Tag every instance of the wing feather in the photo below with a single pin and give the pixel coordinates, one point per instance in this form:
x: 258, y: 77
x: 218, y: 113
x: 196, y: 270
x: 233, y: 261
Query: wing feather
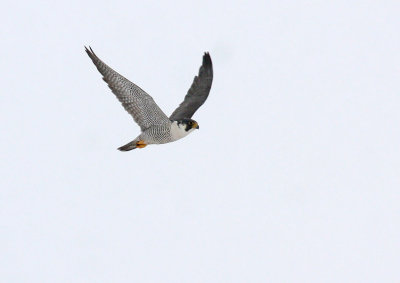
x: 136, y: 101
x: 197, y: 93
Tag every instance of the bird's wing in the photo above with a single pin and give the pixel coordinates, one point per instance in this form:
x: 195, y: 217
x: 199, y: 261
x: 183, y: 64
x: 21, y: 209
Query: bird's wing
x: 136, y: 101
x: 197, y: 93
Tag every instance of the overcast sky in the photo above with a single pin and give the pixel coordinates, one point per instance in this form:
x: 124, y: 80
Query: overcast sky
x: 294, y: 175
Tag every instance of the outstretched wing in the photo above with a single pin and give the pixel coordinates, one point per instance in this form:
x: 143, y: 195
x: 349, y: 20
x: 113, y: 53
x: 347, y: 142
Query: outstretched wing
x: 136, y: 101
x: 197, y: 93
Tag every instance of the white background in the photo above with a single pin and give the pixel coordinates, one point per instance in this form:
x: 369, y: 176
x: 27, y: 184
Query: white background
x: 294, y: 175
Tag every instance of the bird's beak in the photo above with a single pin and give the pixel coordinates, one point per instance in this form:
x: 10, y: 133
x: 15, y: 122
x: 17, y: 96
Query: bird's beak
x: 195, y: 126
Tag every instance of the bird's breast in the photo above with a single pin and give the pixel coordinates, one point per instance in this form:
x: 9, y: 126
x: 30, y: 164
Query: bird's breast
x: 178, y: 132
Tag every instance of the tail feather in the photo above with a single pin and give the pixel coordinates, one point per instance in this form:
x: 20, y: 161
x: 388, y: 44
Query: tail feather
x: 129, y: 146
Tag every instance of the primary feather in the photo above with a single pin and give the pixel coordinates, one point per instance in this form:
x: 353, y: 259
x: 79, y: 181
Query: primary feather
x: 136, y: 101
x: 197, y: 93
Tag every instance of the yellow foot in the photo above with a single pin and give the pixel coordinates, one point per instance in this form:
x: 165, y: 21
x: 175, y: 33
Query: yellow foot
x: 140, y: 144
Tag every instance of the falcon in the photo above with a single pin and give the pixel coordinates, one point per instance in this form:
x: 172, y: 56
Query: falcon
x: 156, y: 127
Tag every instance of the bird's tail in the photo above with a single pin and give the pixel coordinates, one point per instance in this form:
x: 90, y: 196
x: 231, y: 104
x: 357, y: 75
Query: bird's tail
x: 129, y: 146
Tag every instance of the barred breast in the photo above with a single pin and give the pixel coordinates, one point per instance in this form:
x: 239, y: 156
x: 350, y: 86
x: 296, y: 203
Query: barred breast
x: 157, y: 134
x: 164, y: 133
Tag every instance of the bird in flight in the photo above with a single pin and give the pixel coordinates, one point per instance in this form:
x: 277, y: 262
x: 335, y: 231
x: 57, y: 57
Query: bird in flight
x: 156, y: 127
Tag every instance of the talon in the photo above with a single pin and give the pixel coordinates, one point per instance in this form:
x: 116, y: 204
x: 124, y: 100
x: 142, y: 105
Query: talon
x: 140, y: 144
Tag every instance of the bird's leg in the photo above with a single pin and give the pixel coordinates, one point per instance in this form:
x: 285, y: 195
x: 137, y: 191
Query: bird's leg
x: 140, y: 144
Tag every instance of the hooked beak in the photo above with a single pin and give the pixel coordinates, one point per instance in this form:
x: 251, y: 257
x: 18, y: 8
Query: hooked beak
x: 195, y: 126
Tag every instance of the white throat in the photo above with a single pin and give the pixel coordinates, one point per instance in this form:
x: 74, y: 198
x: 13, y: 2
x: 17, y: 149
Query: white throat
x: 178, y: 131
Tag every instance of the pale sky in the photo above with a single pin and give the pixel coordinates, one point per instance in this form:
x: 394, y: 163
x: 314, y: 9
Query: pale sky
x: 294, y: 175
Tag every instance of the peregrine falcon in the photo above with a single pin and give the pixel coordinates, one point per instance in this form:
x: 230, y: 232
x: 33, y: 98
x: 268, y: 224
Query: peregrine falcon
x: 156, y: 127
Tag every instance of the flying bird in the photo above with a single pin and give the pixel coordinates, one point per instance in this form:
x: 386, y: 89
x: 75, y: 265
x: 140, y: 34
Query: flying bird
x: 156, y: 127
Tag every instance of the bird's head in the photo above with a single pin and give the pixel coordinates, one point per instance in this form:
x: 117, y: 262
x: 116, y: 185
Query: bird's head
x: 188, y: 124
